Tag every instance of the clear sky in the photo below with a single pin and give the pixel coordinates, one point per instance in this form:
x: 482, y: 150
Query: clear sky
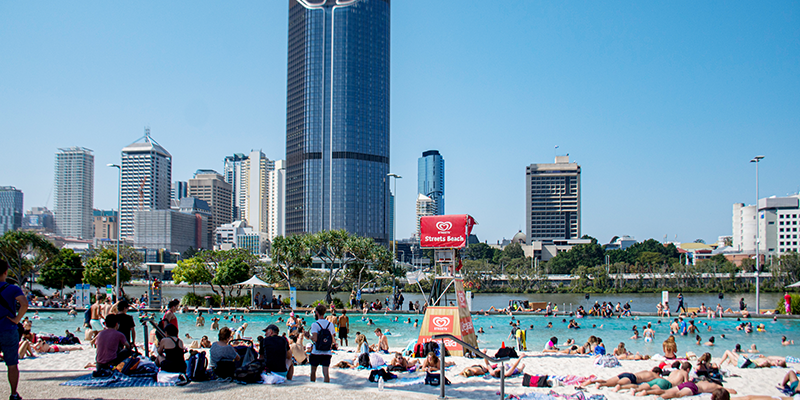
x: 661, y: 103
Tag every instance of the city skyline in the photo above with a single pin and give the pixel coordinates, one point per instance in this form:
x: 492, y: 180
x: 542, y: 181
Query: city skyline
x: 663, y: 110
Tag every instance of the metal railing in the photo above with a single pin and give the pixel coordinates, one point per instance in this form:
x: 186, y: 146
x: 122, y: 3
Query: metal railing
x: 474, y: 351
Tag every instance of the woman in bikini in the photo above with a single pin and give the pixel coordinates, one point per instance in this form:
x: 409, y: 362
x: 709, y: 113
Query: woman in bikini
x: 42, y: 347
x: 432, y: 364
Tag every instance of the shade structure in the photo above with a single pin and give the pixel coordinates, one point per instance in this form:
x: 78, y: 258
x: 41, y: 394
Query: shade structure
x: 796, y: 284
x: 254, y: 281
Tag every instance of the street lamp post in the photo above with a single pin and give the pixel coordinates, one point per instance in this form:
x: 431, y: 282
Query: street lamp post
x: 119, y: 217
x: 756, y: 160
x: 394, y: 231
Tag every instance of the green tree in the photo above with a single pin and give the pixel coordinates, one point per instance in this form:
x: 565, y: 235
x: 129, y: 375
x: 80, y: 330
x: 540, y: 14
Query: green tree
x: 99, y: 270
x: 480, y: 251
x: 227, y: 268
x: 191, y: 271
x: 25, y: 252
x: 290, y: 254
x: 66, y: 270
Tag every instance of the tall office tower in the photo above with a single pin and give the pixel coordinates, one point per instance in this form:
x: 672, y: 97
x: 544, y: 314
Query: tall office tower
x: 430, y: 178
x: 10, y: 209
x: 255, y: 183
x: 180, y: 189
x: 337, y: 117
x: 425, y: 208
x: 553, y: 200
x: 146, y: 180
x: 277, y: 201
x: 74, y: 192
x: 232, y: 171
x: 211, y: 187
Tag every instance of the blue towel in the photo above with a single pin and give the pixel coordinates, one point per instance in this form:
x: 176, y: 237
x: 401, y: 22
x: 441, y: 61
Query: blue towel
x: 408, y: 381
x: 115, y: 380
x: 793, y: 360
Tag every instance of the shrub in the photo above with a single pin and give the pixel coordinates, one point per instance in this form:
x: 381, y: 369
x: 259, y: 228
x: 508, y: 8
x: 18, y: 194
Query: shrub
x: 781, y: 308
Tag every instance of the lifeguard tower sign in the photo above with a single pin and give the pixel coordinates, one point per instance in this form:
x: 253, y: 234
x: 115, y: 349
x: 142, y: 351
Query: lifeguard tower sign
x: 445, y: 231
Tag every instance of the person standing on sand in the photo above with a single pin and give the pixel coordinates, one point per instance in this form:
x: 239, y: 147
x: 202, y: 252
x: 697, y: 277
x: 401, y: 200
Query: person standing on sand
x: 321, y: 351
x: 344, y: 326
x: 11, y: 296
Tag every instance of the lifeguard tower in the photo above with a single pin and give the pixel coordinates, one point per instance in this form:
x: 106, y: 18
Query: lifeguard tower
x: 447, y: 234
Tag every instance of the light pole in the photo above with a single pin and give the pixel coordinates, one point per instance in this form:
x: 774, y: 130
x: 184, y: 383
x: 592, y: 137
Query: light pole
x: 756, y: 160
x: 119, y: 217
x: 394, y: 230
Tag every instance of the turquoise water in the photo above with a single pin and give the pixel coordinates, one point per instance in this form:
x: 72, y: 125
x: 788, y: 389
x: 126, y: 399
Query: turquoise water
x: 497, y: 329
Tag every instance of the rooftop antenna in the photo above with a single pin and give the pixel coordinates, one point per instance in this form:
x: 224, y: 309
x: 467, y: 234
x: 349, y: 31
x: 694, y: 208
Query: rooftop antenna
x: 554, y: 151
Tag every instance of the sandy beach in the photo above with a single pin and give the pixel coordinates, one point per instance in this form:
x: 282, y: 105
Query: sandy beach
x: 41, y: 378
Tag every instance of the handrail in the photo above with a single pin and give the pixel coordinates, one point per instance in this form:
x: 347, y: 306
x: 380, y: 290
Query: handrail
x: 474, y: 350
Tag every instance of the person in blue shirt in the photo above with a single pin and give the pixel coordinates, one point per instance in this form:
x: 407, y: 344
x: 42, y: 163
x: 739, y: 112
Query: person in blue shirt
x: 11, y: 297
x: 600, y: 348
x: 684, y: 327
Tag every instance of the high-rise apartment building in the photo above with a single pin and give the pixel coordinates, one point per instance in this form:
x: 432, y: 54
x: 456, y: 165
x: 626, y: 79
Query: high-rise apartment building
x: 553, y: 200
x: 10, y: 209
x: 430, y: 179
x: 255, y: 183
x: 277, y: 201
x: 146, y: 180
x: 425, y: 208
x: 74, y: 192
x: 180, y: 189
x: 232, y: 170
x: 337, y: 117
x: 211, y: 187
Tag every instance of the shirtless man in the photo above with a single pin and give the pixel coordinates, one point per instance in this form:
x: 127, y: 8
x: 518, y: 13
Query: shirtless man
x: 96, y: 321
x: 106, y: 308
x: 344, y: 326
x: 383, y: 343
x: 692, y: 389
x: 626, y: 378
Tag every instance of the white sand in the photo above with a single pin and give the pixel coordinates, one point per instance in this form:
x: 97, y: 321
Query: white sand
x: 41, y: 377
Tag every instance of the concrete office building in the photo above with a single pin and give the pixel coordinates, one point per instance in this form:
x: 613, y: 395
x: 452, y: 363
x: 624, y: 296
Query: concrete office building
x: 180, y: 189
x: 105, y: 224
x: 10, y: 209
x: 39, y: 219
x: 238, y: 235
x: 255, y: 183
x: 211, y: 187
x: 232, y: 170
x: 337, y: 117
x: 175, y: 231
x: 73, y: 192
x: 553, y: 200
x: 276, y: 225
x: 430, y: 178
x: 146, y: 180
x: 777, y: 221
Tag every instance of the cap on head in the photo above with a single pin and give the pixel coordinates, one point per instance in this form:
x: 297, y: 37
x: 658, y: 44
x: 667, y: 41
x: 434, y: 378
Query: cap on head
x: 272, y: 327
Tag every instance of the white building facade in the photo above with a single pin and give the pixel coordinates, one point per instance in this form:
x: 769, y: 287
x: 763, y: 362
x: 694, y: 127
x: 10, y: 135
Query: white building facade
x: 255, y: 183
x: 74, y: 192
x: 277, y: 200
x: 777, y: 221
x: 146, y: 180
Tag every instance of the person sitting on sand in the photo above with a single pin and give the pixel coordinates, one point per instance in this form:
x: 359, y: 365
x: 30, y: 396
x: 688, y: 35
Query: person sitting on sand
x: 171, y: 352
x: 383, y: 343
x: 112, y: 348
x: 670, y: 348
x: 693, y: 389
x: 621, y: 350
x: 551, y: 347
x: 43, y: 347
x: 431, y: 363
x: 223, y: 356
x: 626, y: 378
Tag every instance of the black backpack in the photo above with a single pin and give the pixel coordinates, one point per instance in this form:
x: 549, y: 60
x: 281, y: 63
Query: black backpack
x: 506, y: 352
x: 434, y: 379
x: 250, y: 373
x: 380, y: 373
x: 324, y: 338
x: 198, y: 364
x: 363, y: 360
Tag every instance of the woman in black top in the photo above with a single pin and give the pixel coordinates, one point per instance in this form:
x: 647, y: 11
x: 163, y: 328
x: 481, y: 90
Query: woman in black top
x: 171, y: 351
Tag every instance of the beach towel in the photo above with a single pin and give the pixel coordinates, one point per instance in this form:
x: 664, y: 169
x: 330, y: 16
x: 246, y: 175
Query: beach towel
x: 115, y: 380
x: 271, y: 378
x: 407, y: 381
x: 607, y: 361
x: 793, y: 360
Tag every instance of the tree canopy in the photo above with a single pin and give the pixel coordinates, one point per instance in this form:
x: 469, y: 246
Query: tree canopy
x: 65, y: 270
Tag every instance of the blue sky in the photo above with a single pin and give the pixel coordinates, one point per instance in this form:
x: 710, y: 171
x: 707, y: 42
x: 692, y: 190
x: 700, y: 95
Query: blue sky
x: 661, y: 103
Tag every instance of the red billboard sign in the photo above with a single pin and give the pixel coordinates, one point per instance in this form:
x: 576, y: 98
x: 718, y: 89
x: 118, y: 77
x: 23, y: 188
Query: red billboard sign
x: 445, y: 231
x: 440, y: 324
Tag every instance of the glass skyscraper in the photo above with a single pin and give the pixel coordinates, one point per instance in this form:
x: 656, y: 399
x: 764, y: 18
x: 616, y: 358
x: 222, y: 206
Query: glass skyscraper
x: 337, y: 117
x: 430, y: 179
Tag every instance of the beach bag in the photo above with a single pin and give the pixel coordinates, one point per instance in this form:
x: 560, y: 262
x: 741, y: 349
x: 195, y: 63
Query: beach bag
x: 397, y: 368
x: 435, y: 379
x: 324, y: 338
x: 128, y: 366
x: 225, y: 369
x: 250, y: 373
x: 363, y: 360
x: 197, y: 366
x: 430, y: 347
x: 506, y: 352
x: 102, y: 373
x: 607, y: 361
x: 374, y: 375
x: 535, y: 381
x: 419, y: 350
